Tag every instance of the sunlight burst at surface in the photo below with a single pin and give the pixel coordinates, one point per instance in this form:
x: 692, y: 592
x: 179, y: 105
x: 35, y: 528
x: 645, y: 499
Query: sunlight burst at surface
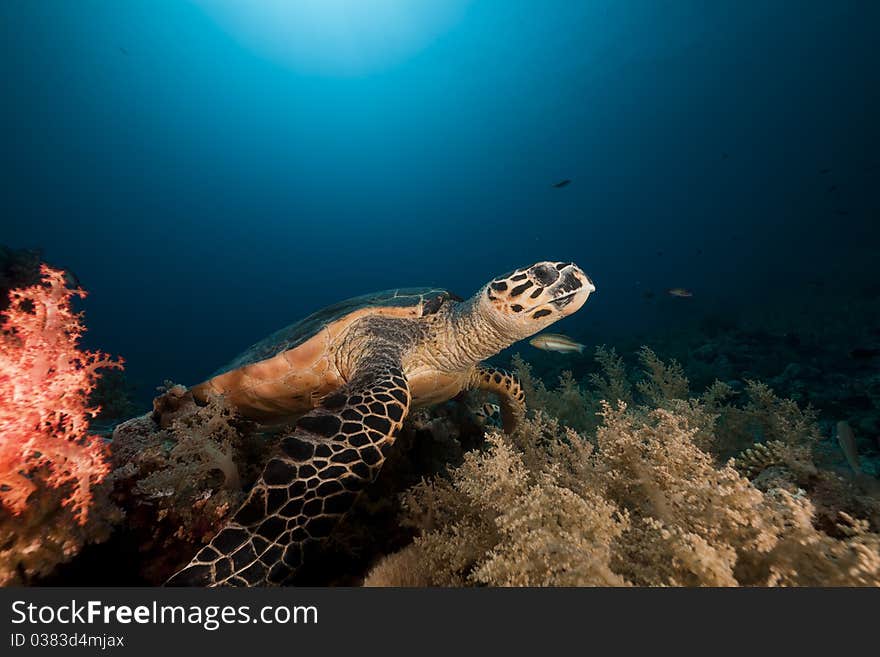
x: 339, y: 37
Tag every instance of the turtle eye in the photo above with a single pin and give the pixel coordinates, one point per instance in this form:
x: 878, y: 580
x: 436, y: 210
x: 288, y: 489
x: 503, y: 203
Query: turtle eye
x: 544, y: 274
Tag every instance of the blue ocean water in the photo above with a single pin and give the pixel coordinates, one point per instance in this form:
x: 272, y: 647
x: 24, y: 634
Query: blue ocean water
x: 212, y: 170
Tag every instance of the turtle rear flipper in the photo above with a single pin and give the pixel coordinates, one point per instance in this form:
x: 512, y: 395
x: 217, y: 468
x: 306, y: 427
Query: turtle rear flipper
x: 313, y: 480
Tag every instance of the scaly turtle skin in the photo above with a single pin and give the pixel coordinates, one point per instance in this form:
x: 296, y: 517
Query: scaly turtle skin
x: 351, y: 373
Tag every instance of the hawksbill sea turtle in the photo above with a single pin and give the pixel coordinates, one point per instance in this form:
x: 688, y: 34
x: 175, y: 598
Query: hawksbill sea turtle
x: 350, y: 373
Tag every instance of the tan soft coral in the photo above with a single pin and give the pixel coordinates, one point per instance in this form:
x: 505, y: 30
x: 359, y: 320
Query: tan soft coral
x: 698, y: 523
x: 610, y: 383
x: 646, y: 506
x: 567, y: 401
x: 554, y: 536
x: 663, y: 380
x: 764, y: 417
x: 496, y: 522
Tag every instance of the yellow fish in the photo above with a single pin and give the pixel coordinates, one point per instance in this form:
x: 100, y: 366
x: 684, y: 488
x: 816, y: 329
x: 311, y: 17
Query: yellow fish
x: 556, y: 342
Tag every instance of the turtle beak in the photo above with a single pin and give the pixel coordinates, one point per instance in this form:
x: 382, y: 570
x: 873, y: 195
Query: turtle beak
x: 571, y: 290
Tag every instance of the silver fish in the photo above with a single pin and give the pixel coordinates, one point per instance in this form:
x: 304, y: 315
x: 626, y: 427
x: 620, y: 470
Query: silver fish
x: 556, y: 342
x: 847, y: 442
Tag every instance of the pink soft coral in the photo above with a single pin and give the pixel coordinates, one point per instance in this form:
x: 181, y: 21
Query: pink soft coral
x: 45, y: 382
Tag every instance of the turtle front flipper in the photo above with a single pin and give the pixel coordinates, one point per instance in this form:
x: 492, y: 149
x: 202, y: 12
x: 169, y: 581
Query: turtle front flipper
x: 310, y: 483
x: 506, y: 387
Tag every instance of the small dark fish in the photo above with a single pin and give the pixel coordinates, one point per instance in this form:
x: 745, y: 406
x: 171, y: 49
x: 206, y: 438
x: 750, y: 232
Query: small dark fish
x: 724, y: 156
x: 831, y: 189
x: 123, y: 51
x: 648, y: 294
x: 562, y: 183
x: 843, y: 213
x: 864, y: 353
x: 659, y: 253
x: 824, y: 171
x: 699, y: 251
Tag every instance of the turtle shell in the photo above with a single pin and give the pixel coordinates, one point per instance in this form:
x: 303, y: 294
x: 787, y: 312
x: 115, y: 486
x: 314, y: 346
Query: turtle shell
x: 284, y: 374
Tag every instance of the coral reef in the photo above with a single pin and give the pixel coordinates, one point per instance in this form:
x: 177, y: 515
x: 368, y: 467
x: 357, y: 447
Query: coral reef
x: 50, y: 465
x: 634, y: 492
x: 645, y: 506
x: 647, y: 499
x: 629, y: 479
x: 180, y: 471
x: 179, y: 478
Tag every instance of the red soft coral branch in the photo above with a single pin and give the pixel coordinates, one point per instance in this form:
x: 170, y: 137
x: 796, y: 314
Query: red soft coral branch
x: 45, y: 383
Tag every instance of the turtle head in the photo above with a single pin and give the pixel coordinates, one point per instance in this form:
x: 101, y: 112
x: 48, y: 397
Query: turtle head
x: 528, y: 300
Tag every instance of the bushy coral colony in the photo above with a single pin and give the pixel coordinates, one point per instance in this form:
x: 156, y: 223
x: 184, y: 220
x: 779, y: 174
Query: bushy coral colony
x: 45, y: 383
x: 644, y: 498
x: 626, y: 478
x: 50, y: 462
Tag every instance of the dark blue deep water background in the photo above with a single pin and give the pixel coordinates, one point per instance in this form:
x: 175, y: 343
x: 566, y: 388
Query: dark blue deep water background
x: 212, y: 170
